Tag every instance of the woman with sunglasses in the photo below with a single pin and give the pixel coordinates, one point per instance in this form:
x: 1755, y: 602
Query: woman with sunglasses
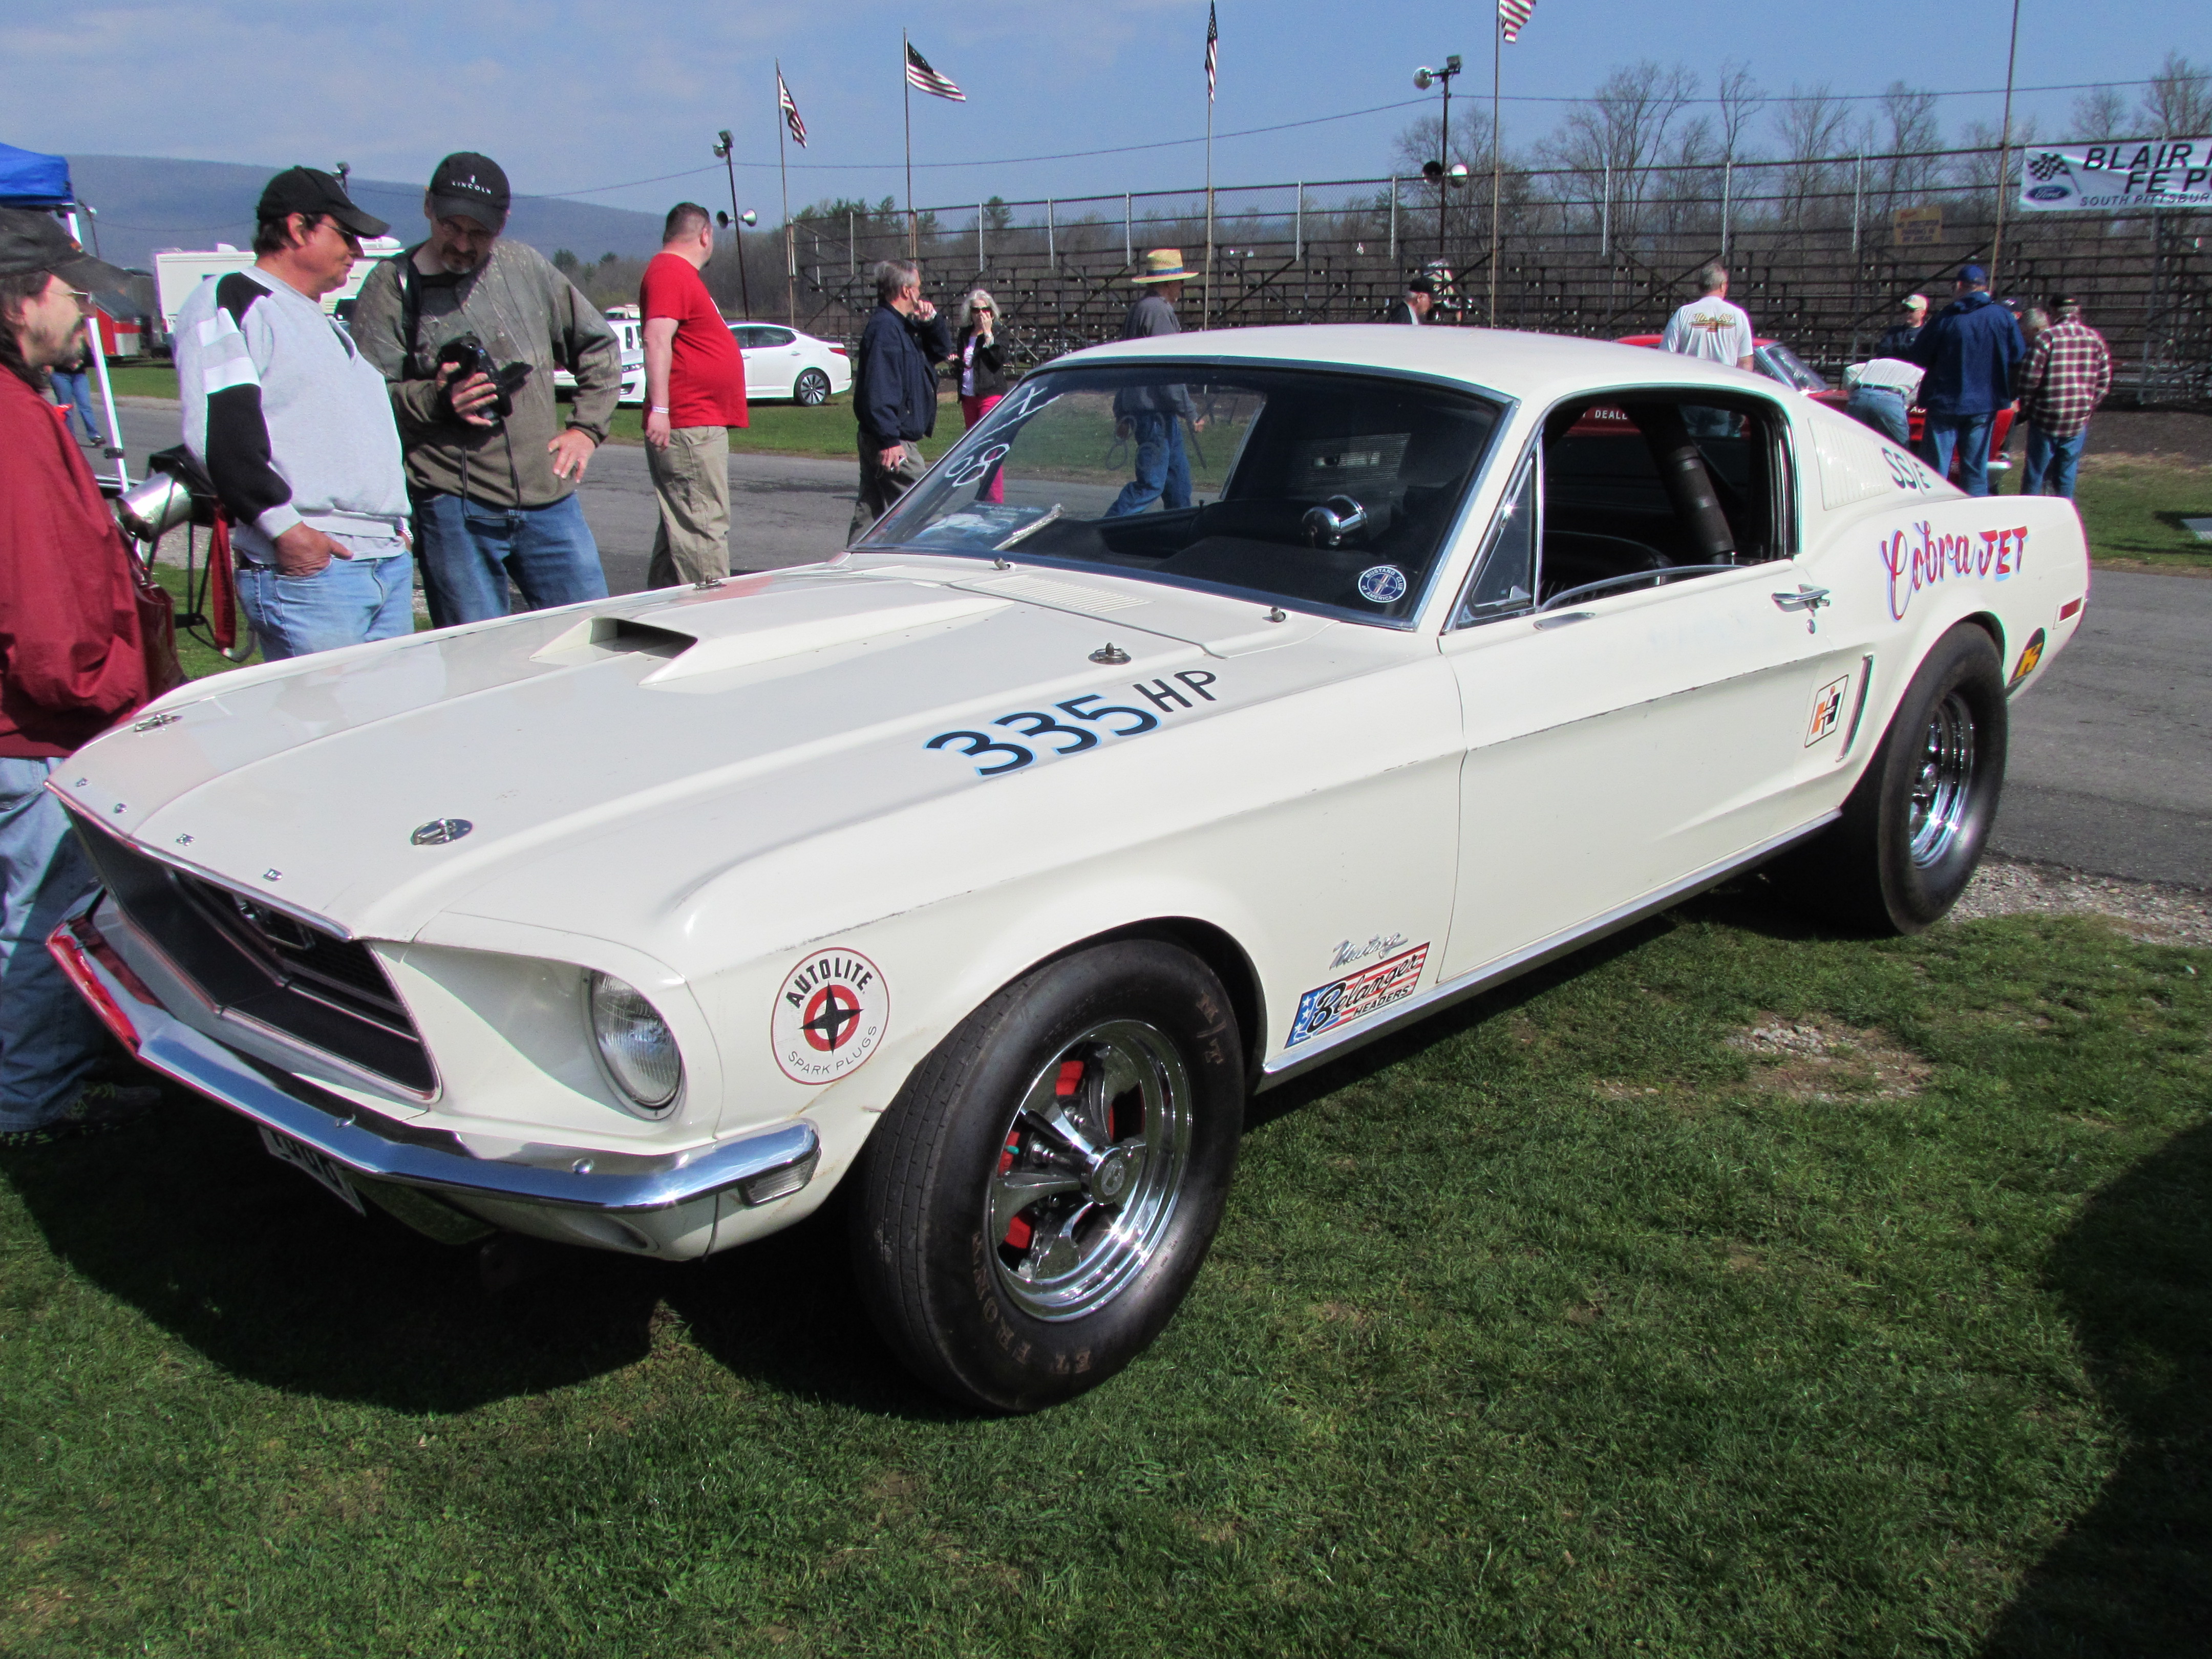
x: 982, y: 368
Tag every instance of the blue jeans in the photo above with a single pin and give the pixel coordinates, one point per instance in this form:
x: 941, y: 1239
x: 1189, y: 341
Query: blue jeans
x: 1163, y: 468
x: 469, y: 551
x: 347, y: 602
x: 2050, y: 462
x: 1883, y: 409
x: 1969, y: 435
x: 76, y: 390
x: 48, y: 1038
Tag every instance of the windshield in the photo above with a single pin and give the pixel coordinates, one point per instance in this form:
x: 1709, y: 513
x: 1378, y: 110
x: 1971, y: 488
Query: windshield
x: 1794, y: 371
x: 1324, y: 492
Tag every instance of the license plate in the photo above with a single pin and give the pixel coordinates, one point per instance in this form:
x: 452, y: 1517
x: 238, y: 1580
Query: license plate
x: 304, y: 1157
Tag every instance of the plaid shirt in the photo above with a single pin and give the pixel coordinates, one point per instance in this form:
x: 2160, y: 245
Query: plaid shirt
x: 2066, y: 374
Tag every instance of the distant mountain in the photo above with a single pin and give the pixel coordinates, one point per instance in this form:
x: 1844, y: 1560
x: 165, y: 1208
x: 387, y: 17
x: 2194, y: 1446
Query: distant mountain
x: 149, y: 202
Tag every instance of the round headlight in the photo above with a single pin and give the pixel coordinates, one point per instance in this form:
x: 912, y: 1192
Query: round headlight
x: 635, y: 1043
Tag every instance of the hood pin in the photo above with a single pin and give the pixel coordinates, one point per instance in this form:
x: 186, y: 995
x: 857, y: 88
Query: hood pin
x: 440, y: 832
x: 1110, y: 654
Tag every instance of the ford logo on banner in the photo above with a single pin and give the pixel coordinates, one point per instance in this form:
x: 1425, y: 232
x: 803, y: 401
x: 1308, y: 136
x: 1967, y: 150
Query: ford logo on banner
x: 2048, y: 193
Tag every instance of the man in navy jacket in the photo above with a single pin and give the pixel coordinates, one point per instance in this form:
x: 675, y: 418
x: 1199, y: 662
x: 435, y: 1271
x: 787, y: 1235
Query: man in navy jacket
x: 1969, y: 350
x: 895, y: 389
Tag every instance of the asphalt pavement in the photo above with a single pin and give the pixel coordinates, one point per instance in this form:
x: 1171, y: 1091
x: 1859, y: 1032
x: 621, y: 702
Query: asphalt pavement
x: 2111, y: 751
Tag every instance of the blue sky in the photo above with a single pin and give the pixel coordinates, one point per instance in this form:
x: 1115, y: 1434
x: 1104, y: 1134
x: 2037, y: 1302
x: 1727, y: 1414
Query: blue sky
x: 570, y: 96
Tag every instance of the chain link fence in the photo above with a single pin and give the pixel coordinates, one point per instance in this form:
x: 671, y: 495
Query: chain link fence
x: 1821, y: 250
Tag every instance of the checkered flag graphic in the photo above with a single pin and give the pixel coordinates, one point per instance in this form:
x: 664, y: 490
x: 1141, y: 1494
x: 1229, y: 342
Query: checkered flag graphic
x: 2049, y: 165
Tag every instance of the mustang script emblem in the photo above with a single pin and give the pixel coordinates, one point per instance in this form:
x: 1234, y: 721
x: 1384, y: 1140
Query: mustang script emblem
x: 439, y: 831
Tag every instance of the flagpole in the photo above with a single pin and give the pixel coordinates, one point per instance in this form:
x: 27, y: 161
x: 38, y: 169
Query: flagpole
x: 783, y: 174
x: 1206, y: 309
x: 2004, y: 150
x: 906, y: 89
x: 1496, y: 72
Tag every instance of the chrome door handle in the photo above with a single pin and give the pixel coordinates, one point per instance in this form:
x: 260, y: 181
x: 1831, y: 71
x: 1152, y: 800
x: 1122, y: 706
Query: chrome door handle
x: 1808, y: 599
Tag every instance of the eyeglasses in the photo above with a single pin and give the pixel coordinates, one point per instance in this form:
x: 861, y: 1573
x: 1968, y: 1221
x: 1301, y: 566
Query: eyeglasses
x: 84, y: 302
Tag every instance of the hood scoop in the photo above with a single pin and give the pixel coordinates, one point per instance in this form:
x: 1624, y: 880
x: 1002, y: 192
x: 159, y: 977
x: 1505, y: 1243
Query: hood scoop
x: 712, y: 635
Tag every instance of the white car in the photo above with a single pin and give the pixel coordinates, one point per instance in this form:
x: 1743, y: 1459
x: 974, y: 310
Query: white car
x: 987, y: 867
x: 629, y: 336
x: 781, y: 363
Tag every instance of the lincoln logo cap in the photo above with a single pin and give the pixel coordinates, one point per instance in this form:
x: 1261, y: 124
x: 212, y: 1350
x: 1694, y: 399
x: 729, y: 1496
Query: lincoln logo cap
x: 470, y: 186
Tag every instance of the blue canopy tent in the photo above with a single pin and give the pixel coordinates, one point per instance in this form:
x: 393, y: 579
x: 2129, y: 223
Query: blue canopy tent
x: 29, y: 180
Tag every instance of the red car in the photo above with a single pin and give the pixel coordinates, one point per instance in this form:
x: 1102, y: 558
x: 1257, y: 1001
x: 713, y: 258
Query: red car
x: 1778, y: 363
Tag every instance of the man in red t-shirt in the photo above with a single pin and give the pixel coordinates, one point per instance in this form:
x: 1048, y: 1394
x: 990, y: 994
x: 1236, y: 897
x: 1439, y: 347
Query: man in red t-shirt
x: 694, y: 392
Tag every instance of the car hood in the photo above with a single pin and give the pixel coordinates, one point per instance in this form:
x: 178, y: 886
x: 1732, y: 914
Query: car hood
x: 770, y: 710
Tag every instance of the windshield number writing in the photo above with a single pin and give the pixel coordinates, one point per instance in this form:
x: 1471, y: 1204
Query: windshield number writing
x: 1170, y: 696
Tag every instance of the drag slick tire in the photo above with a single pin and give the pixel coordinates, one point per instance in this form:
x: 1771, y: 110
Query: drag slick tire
x: 1039, y: 1197
x: 1913, y: 829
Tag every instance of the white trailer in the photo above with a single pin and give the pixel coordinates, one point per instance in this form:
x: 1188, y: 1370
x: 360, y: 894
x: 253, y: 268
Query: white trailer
x: 177, y: 271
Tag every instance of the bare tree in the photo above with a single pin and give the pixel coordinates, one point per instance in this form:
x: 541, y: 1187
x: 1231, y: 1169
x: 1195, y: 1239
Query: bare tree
x: 1624, y: 128
x: 2178, y: 101
x: 1815, y: 126
x: 1740, y: 99
x: 2100, y: 114
x: 1905, y: 135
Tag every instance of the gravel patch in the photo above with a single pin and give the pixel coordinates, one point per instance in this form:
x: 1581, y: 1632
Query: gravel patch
x: 2153, y: 912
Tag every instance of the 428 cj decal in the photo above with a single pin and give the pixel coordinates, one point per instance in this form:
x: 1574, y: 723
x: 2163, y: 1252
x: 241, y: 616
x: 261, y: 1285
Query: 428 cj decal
x: 1094, y: 718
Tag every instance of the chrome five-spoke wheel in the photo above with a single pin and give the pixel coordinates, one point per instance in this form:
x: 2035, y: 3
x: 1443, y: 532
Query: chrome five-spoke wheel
x: 1041, y: 1194
x: 1090, y: 1169
x: 1944, y: 783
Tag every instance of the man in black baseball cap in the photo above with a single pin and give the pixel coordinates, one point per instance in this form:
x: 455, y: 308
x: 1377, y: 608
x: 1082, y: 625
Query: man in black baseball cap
x: 470, y: 326
x: 31, y: 242
x: 305, y: 189
x: 72, y: 664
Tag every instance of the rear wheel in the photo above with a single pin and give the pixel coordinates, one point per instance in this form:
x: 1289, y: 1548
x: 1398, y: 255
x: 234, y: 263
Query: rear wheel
x: 811, y: 389
x: 1913, y: 831
x: 1039, y: 1197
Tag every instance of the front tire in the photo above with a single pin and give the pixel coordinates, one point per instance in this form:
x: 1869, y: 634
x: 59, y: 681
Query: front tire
x: 1039, y: 1197
x: 1913, y: 829
x: 811, y: 389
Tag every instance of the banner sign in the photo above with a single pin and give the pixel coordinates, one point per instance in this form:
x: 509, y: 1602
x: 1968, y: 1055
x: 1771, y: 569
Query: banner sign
x: 2128, y: 177
x: 1917, y: 227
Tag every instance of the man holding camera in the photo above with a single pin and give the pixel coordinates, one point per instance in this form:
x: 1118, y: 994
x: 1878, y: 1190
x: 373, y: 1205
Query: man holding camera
x: 72, y: 663
x: 468, y: 327
x: 293, y: 427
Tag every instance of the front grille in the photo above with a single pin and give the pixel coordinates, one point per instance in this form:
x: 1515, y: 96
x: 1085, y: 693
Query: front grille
x: 245, y: 957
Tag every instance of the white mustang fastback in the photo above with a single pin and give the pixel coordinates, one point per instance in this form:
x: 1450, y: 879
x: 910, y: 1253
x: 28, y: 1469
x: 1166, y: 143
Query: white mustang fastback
x: 1220, y: 703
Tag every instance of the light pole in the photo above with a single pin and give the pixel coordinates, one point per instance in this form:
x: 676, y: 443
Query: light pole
x: 1424, y: 78
x: 723, y: 149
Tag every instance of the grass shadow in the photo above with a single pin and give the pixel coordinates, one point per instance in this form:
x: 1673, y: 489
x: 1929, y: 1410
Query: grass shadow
x: 2133, y: 1576
x: 190, y: 1221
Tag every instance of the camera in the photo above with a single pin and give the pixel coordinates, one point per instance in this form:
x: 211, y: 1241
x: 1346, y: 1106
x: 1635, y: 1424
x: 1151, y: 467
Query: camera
x: 467, y: 355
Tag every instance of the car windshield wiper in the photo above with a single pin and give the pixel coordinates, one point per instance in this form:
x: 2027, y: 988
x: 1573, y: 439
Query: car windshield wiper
x: 1029, y: 529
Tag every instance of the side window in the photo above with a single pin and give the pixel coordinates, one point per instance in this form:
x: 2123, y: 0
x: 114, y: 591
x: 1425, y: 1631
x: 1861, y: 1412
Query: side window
x: 774, y: 337
x: 748, y: 338
x: 1641, y: 483
x: 1505, y: 579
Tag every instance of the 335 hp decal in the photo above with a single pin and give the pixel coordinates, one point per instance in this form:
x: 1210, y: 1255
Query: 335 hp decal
x: 1093, y: 720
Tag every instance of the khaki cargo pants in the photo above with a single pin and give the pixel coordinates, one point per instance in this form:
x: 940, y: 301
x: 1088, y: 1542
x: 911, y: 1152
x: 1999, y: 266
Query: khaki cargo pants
x: 691, y: 477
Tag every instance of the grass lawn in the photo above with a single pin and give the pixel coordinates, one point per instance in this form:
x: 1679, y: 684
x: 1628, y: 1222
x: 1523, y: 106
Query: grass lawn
x: 787, y: 429
x: 2134, y: 506
x: 1722, y: 1291
x: 142, y: 379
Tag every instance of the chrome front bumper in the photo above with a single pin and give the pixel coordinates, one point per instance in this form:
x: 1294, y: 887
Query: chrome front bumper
x: 767, y: 1165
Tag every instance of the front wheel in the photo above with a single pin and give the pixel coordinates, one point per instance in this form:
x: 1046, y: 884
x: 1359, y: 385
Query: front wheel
x: 811, y: 389
x: 1913, y: 829
x: 1040, y: 1195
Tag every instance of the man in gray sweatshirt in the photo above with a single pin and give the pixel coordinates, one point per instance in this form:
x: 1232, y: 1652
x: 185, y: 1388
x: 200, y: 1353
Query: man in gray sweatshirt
x: 491, y: 466
x: 294, y: 426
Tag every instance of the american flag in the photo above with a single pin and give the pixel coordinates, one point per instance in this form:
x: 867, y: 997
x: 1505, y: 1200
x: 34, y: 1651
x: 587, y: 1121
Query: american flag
x: 919, y: 75
x: 790, y: 111
x: 1212, y: 51
x: 1513, y: 16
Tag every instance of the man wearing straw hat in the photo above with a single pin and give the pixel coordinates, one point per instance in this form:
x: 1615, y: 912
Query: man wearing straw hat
x: 1151, y: 417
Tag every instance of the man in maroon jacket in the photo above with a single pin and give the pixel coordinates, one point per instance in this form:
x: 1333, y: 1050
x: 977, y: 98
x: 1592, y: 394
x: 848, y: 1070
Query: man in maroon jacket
x: 72, y: 663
